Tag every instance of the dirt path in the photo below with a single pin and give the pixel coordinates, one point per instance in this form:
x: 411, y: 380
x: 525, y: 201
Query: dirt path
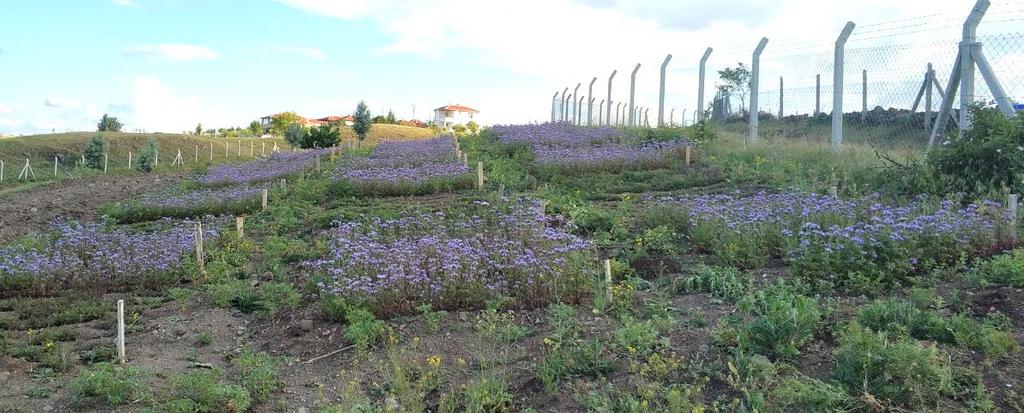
x: 33, y: 209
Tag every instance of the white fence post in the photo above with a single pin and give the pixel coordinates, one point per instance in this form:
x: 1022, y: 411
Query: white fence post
x: 755, y: 74
x: 565, y: 105
x: 661, y: 92
x: 929, y: 77
x: 700, y: 85
x: 817, y: 94
x: 120, y: 332
x: 837, y: 87
x: 864, y: 97
x: 632, y: 95
x: 782, y: 91
x: 553, y: 106
x: 608, y: 112
x: 590, y: 102
x: 575, y: 105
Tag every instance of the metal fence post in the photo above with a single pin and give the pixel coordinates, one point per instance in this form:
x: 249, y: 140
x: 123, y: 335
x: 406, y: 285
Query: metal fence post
x: 672, y: 117
x: 755, y: 72
x: 590, y: 103
x: 553, y: 105
x: 579, y: 111
x: 565, y: 99
x: 864, y: 97
x: 781, y: 102
x: 608, y: 112
x: 632, y: 93
x: 618, y: 113
x: 661, y: 92
x: 817, y: 94
x: 928, y: 80
x: 700, y: 85
x: 600, y: 114
x: 575, y: 105
x: 967, y: 62
x: 998, y: 93
x: 837, y: 87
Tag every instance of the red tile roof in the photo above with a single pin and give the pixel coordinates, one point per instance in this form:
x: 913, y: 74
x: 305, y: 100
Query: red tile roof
x: 458, y: 108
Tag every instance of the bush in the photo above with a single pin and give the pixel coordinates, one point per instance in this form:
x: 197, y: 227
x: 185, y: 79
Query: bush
x: 363, y: 329
x: 258, y: 373
x: 297, y: 135
x: 988, y: 156
x: 94, y: 152
x: 323, y: 136
x: 116, y: 385
x: 783, y: 322
x: 890, y: 371
x: 1002, y: 269
x: 205, y: 392
x: 109, y: 124
x: 148, y: 157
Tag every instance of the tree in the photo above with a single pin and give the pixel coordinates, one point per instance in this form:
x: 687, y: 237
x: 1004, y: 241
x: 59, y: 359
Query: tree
x: 391, y: 120
x: 255, y: 128
x: 363, y: 121
x: 472, y: 126
x: 147, y: 157
x: 324, y: 136
x: 737, y: 80
x: 94, y: 151
x: 280, y: 121
x: 109, y: 124
x: 296, y: 135
x: 199, y: 129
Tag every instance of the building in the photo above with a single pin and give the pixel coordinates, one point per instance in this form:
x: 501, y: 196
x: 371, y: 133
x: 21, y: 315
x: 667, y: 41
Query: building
x: 267, y: 121
x: 451, y: 115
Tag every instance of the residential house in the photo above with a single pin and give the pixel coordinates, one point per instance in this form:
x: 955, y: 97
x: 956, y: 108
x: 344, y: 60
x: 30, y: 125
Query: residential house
x: 267, y: 121
x: 451, y: 115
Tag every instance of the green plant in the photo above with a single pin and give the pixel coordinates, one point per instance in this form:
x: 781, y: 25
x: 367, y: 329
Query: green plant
x: 431, y: 318
x: 181, y: 296
x: 987, y: 156
x: 487, y: 395
x: 500, y: 326
x: 324, y: 136
x: 114, y: 384
x: 782, y: 323
x: 95, y: 151
x: 892, y: 371
x: 363, y: 329
x: 98, y: 354
x: 362, y: 122
x: 722, y: 282
x: 258, y: 373
x: 297, y: 135
x: 334, y: 308
x: 638, y: 338
x: 204, y: 339
x: 38, y: 392
x: 1002, y: 269
x: 147, y: 157
x: 206, y: 392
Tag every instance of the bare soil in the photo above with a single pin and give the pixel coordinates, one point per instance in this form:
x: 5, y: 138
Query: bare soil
x: 34, y: 209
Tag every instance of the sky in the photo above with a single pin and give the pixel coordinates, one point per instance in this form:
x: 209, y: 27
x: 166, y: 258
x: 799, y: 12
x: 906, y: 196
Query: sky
x: 166, y: 65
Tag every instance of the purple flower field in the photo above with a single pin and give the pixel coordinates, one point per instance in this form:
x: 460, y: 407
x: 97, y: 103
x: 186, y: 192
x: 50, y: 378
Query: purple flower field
x: 199, y: 198
x: 405, y: 167
x: 562, y: 145
x: 453, y: 261
x: 278, y: 165
x: 92, y: 253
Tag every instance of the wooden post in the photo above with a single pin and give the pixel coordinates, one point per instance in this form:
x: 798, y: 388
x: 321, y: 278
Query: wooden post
x: 252, y: 147
x: 54, y: 166
x: 120, y: 332
x: 239, y: 148
x: 263, y: 148
x: 1011, y: 210
x: 106, y: 160
x: 83, y: 160
x: 156, y: 159
x: 197, y: 153
x: 686, y: 155
x: 480, y: 174
x: 264, y: 203
x: 1, y: 171
x: 833, y: 188
x: 200, y: 254
x: 129, y: 160
x: 211, y: 151
x: 608, y: 279
x: 284, y: 184
x: 226, y: 150
x: 240, y: 226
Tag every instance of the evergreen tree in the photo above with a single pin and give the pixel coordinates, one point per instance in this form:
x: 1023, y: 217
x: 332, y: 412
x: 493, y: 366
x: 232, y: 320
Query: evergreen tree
x: 363, y: 121
x: 109, y: 124
x: 94, y: 151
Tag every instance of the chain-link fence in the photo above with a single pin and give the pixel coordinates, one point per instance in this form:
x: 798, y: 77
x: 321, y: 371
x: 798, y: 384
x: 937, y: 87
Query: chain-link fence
x: 888, y: 90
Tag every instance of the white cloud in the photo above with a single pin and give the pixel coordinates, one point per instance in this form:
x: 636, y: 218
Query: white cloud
x: 157, y: 108
x: 180, y: 52
x: 311, y: 52
x: 126, y: 3
x: 345, y: 9
x: 4, y: 109
x: 61, y: 102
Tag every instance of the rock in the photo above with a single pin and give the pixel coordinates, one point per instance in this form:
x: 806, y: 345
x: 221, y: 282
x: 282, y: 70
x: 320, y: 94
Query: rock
x: 306, y: 325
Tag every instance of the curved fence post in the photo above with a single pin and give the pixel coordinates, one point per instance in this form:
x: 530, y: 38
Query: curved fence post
x: 632, y: 94
x: 837, y: 87
x: 575, y: 105
x: 554, y: 105
x: 608, y: 112
x: 590, y: 102
x: 700, y: 85
x: 661, y: 92
x: 565, y: 101
x: 755, y: 73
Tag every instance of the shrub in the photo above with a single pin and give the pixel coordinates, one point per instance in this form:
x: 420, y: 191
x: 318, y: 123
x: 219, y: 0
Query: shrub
x: 363, y: 329
x: 323, y: 136
x: 114, y: 384
x: 987, y: 156
x: 258, y: 373
x: 206, y: 392
x: 147, y: 157
x: 362, y: 122
x: 109, y: 124
x: 297, y: 135
x: 94, y: 151
x: 1002, y: 269
x: 782, y: 323
x: 890, y: 370
x: 638, y: 338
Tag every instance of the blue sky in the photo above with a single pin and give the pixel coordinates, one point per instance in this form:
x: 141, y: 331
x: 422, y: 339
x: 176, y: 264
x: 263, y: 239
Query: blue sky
x: 168, y: 64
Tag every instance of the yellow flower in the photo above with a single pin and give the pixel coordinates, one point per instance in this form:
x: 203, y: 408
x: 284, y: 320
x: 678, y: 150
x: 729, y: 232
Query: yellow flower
x: 434, y: 361
x: 461, y: 361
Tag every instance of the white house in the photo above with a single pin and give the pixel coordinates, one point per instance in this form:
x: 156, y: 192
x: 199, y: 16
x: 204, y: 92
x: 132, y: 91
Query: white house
x: 451, y: 115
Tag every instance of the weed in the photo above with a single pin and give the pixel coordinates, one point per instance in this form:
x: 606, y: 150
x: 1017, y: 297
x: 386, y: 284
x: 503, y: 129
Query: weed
x: 114, y: 384
x: 98, y: 354
x: 782, y: 323
x: 500, y: 326
x: 487, y: 395
x: 334, y: 308
x: 721, y: 282
x: 638, y: 338
x: 206, y: 392
x: 204, y: 339
x: 363, y: 329
x: 258, y: 373
x: 431, y: 318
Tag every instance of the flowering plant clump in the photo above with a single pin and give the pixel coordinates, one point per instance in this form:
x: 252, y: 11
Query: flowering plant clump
x: 95, y: 256
x: 406, y: 168
x: 862, y: 244
x: 277, y: 165
x: 232, y: 200
x: 455, y: 261
x: 564, y: 147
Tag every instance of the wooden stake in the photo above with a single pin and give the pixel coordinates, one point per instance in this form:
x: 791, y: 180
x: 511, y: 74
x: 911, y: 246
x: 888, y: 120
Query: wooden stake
x: 284, y: 184
x: 686, y: 155
x: 608, y: 279
x: 129, y: 160
x: 106, y: 161
x: 263, y: 148
x: 156, y: 160
x: 1, y: 171
x: 211, y: 152
x: 480, y: 174
x: 200, y: 254
x: 120, y: 332
x: 239, y: 149
x: 55, y: 166
x: 197, y: 153
x: 225, y: 150
x: 264, y: 204
x: 833, y: 188
x: 251, y: 147
x: 240, y: 226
